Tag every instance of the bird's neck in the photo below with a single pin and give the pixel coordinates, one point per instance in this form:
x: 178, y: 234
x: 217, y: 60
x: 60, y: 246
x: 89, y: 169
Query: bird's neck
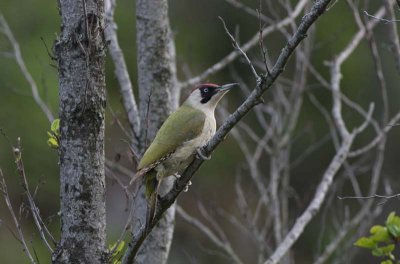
x: 207, y: 109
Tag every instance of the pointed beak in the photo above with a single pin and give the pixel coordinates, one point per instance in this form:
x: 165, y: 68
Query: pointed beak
x: 226, y: 87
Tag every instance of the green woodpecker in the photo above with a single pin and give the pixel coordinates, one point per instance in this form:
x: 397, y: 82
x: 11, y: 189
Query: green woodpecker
x: 190, y: 127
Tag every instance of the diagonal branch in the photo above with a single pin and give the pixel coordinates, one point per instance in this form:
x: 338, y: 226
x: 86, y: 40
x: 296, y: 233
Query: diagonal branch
x: 247, y: 46
x: 42, y: 228
x: 237, y: 47
x: 221, y: 243
x: 121, y: 70
x: 393, y: 34
x: 21, y: 239
x: 342, y: 152
x: 22, y: 66
x: 254, y: 98
x: 316, y: 202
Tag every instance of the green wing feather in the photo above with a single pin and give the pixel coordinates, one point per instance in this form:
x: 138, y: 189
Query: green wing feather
x: 183, y: 125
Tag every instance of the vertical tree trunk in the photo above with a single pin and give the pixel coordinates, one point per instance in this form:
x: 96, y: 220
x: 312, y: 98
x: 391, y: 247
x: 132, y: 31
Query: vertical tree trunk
x: 159, y: 96
x: 80, y: 53
x: 156, y: 66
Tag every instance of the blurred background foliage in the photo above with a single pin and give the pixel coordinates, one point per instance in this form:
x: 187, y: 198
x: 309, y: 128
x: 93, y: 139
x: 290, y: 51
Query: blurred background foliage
x: 200, y: 42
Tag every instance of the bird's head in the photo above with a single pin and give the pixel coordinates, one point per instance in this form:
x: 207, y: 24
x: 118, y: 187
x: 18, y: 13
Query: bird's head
x: 206, y: 96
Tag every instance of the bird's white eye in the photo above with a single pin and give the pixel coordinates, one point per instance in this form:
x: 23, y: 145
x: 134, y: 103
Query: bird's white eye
x: 205, y: 90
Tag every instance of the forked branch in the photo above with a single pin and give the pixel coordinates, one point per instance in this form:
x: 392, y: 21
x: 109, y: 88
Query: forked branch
x: 266, y: 81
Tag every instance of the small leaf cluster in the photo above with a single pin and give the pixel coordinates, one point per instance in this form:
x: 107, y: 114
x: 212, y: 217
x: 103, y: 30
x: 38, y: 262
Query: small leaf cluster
x: 54, y: 134
x: 116, y: 252
x: 383, y: 239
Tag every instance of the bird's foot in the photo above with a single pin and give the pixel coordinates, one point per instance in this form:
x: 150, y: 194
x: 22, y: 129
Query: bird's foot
x: 176, y: 175
x: 201, y: 155
x: 187, y: 186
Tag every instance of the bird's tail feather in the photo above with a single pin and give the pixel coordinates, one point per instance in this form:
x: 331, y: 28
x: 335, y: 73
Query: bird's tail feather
x: 152, y: 185
x: 151, y: 208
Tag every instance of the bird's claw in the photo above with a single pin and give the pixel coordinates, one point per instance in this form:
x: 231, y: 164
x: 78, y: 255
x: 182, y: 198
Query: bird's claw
x: 187, y: 186
x: 200, y: 155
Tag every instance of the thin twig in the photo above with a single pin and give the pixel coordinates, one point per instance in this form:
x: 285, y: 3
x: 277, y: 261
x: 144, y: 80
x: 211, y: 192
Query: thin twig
x: 22, y: 66
x: 42, y: 228
x: 121, y: 71
x: 344, y: 230
x: 261, y: 42
x: 341, y: 154
x: 223, y: 244
x: 393, y: 34
x: 252, y: 100
x: 21, y: 237
x: 374, y: 196
x: 377, y: 139
x: 315, y: 203
x: 236, y: 46
x: 381, y: 19
x: 249, y: 10
x: 247, y: 46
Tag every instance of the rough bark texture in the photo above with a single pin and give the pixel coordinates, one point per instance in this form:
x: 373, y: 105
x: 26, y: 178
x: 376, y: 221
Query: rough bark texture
x: 80, y: 53
x: 156, y: 66
x: 159, y: 96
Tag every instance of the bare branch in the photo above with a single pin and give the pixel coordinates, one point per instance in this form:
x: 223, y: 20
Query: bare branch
x: 336, y: 74
x: 221, y: 243
x: 315, y: 203
x: 377, y: 139
x: 379, y: 71
x: 367, y: 120
x: 22, y: 66
x: 251, y: 101
x: 261, y: 42
x: 386, y: 21
x: 42, y: 228
x: 385, y: 197
x: 341, y: 155
x: 343, y: 232
x: 393, y: 34
x: 236, y: 46
x: 121, y: 71
x: 249, y: 10
x: 247, y: 46
x: 365, y: 209
x: 21, y: 238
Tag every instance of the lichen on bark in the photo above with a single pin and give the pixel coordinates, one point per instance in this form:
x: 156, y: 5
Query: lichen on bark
x: 80, y: 51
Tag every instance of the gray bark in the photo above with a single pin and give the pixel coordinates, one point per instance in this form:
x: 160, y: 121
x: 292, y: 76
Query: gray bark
x: 80, y: 53
x: 159, y: 96
x: 156, y: 66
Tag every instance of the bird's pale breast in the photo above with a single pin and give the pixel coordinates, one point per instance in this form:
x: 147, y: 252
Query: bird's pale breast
x: 184, y: 154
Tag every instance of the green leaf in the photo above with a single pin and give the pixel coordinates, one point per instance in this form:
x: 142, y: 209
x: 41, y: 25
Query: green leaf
x: 365, y: 242
x: 120, y: 246
x: 396, y: 221
x: 377, y: 252
x: 55, y: 127
x: 53, y: 142
x: 375, y: 229
x: 387, y: 262
x: 379, y: 234
x: 393, y: 229
x: 54, y: 135
x: 390, y: 217
x: 387, y: 249
x: 393, y: 219
x: 114, y: 258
